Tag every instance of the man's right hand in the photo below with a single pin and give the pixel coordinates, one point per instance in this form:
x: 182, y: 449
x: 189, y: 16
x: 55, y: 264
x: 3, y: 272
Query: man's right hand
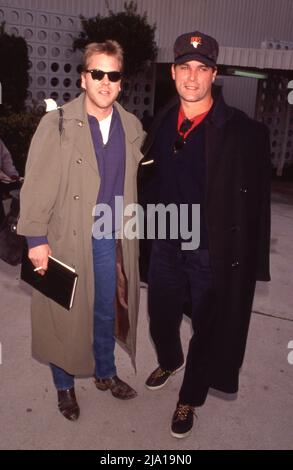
x: 39, y: 257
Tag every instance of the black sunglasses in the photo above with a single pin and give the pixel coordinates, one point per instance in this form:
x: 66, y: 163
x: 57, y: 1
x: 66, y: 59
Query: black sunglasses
x: 99, y: 75
x: 180, y: 142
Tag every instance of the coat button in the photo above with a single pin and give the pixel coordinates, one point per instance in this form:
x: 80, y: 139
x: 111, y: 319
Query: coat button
x: 80, y: 123
x: 76, y: 197
x: 243, y: 190
x: 235, y: 264
x: 79, y: 161
x: 74, y: 232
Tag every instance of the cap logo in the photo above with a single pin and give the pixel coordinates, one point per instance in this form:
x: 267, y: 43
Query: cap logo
x: 195, y: 41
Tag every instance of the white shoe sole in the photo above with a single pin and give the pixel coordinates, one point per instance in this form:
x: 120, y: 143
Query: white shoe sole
x: 180, y: 436
x: 163, y: 385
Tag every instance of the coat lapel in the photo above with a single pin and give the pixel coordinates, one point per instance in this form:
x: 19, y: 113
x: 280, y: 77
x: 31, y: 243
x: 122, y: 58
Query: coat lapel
x: 131, y: 164
x: 75, y: 112
x: 84, y: 143
x: 214, y: 143
x: 214, y: 138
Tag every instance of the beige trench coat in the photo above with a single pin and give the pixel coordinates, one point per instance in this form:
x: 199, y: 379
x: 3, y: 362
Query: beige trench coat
x: 57, y: 198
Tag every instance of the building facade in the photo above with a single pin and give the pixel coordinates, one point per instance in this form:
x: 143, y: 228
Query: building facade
x: 255, y: 35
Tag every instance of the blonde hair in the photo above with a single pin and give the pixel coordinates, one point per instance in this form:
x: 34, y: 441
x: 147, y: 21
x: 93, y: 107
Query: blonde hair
x: 109, y: 47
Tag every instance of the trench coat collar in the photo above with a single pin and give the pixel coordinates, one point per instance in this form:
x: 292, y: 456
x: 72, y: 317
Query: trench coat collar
x: 75, y: 110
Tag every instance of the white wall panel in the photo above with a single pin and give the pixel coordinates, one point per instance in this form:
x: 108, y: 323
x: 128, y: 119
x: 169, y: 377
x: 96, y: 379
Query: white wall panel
x: 240, y: 92
x: 238, y: 23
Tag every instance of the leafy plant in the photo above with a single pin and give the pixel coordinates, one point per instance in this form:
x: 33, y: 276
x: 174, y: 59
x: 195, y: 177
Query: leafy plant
x: 16, y: 131
x: 14, y: 68
x: 129, y: 29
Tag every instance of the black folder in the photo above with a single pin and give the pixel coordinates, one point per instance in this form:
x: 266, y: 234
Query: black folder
x: 58, y: 283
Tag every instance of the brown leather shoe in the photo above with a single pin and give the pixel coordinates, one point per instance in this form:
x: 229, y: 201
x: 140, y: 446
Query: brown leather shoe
x: 67, y: 404
x: 119, y: 389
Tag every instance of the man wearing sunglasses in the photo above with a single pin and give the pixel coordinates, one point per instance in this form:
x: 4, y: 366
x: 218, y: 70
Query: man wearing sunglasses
x: 210, y: 154
x: 82, y: 158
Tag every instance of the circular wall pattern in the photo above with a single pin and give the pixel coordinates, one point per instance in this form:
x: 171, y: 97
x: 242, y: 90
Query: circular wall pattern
x: 67, y: 82
x: 69, y: 38
x: 41, y: 66
x: 54, y: 66
x: 66, y: 96
x: 44, y: 19
x: 42, y: 35
x: 41, y: 81
x: 41, y: 95
x: 55, y: 51
x: 28, y: 18
x: 56, y: 36
x: 57, y: 21
x: 54, y: 81
x: 28, y: 33
x: 14, y: 16
x: 42, y: 50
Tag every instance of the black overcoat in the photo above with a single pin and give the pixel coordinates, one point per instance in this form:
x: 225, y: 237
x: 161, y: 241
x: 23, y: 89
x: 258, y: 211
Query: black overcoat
x: 237, y: 207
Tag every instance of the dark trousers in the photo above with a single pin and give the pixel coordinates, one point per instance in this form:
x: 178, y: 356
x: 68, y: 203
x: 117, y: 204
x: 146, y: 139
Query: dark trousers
x: 175, y: 275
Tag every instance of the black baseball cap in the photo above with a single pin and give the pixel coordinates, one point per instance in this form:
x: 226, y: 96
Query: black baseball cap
x: 196, y: 46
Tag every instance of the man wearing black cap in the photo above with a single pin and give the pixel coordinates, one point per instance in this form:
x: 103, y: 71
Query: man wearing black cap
x: 210, y: 154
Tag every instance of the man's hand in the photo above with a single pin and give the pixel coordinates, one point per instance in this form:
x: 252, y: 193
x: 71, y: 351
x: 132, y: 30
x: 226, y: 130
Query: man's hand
x: 14, y: 177
x: 39, y: 257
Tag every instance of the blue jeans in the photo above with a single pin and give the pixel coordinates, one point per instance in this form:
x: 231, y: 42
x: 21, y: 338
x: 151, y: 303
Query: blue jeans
x: 104, y: 258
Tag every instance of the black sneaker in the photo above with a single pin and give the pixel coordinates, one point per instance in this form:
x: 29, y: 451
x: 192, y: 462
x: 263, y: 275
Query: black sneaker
x: 182, y: 421
x: 159, y: 377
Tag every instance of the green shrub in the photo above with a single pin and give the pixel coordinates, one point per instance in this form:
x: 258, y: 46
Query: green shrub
x: 130, y: 29
x: 14, y: 76
x: 16, y: 131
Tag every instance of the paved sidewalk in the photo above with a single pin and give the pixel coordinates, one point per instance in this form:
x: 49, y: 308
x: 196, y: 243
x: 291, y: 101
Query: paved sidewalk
x: 260, y: 418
